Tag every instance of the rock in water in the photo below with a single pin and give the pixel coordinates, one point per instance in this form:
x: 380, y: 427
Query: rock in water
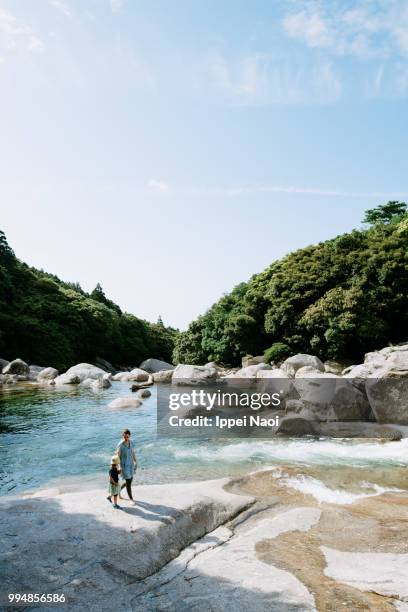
x: 17, y: 366
x: 142, y: 385
x: 164, y: 376
x: 155, y: 365
x: 78, y: 373
x: 67, y: 379
x: 144, y: 393
x: 125, y: 402
x: 136, y: 375
x: 47, y: 374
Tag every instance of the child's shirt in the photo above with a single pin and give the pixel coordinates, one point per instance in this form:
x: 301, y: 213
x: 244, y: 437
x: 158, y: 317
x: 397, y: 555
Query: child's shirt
x: 114, y: 474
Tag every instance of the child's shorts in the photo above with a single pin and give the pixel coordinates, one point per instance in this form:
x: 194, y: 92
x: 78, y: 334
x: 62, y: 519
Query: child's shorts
x: 114, y: 489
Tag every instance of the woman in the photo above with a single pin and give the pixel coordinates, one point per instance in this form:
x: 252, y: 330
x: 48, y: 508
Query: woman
x: 128, y: 462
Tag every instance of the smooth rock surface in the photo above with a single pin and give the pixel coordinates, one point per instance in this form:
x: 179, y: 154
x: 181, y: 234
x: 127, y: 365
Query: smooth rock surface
x: 185, y: 374
x: 293, y: 364
x: 164, y: 376
x: 125, y: 402
x: 78, y: 373
x: 384, y: 573
x: 17, y: 366
x: 78, y: 544
x: 155, y: 365
x: 252, y: 370
x: 47, y: 374
x: 135, y: 375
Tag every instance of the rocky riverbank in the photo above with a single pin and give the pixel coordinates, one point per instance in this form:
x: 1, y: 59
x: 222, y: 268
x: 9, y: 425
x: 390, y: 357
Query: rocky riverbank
x: 254, y: 543
x: 312, y: 392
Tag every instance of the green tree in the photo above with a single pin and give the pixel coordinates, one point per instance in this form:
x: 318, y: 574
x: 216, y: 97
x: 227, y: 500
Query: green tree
x: 391, y: 212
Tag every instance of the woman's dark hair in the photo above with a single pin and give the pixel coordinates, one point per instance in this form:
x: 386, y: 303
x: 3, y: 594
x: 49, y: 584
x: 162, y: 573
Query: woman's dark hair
x: 126, y: 431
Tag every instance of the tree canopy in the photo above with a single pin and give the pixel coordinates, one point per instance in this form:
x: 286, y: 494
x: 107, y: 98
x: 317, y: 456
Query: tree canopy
x: 49, y: 322
x: 337, y: 299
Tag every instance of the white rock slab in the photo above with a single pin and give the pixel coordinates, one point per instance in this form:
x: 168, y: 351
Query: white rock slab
x: 384, y: 573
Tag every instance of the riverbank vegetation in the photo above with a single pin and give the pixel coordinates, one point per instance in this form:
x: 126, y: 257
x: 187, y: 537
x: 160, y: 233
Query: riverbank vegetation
x: 337, y: 299
x: 47, y: 321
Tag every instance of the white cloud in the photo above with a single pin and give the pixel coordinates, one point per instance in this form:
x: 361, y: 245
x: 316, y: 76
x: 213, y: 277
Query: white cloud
x: 239, y: 191
x: 61, y: 6
x: 14, y: 35
x: 158, y: 187
x: 368, y: 29
x: 311, y: 27
x: 117, y: 5
x: 260, y: 78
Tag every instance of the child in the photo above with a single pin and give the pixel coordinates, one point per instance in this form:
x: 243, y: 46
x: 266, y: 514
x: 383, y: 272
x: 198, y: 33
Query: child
x: 114, y: 487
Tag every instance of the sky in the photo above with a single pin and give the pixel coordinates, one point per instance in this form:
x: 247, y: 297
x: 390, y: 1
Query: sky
x: 170, y: 151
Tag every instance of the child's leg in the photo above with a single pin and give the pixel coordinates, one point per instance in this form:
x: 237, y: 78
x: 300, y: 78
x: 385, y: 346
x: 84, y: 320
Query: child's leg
x: 115, y: 499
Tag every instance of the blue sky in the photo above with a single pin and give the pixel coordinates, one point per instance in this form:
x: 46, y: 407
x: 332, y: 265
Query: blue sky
x: 171, y: 150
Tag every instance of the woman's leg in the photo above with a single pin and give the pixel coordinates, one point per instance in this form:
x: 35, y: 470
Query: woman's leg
x: 128, y: 483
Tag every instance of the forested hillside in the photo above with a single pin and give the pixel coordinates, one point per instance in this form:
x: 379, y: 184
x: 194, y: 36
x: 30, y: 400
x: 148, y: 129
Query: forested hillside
x: 48, y: 322
x: 337, y: 299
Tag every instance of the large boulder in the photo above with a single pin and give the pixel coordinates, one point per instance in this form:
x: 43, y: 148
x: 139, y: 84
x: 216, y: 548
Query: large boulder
x: 105, y: 365
x: 293, y: 364
x: 185, y: 374
x: 102, y: 383
x: 164, y: 376
x: 296, y: 425
x: 155, y: 365
x: 331, y: 398
x: 47, y: 374
x: 67, y: 379
x: 271, y: 373
x: 252, y: 370
x: 17, y: 366
x: 3, y: 364
x: 79, y: 373
x: 388, y: 397
x: 310, y: 372
x: 248, y: 360
x: 380, y: 364
x: 125, y: 402
x: 135, y: 375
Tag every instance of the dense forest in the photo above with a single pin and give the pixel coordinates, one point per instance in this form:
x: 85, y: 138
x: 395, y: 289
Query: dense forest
x: 337, y: 299
x: 49, y: 322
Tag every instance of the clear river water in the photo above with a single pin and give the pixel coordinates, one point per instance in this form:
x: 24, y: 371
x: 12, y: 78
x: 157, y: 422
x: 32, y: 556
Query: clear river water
x: 54, y: 437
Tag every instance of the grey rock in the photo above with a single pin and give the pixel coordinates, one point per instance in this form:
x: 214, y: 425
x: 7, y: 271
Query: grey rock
x: 47, y: 374
x: 3, y: 364
x: 136, y: 375
x: 105, y: 365
x: 293, y: 364
x: 185, y: 374
x: 252, y: 371
x: 164, y: 376
x: 125, y: 402
x: 144, y: 393
x: 17, y: 366
x: 388, y: 398
x: 67, y: 379
x: 78, y: 373
x: 81, y: 546
x: 155, y: 365
x: 249, y: 360
x: 296, y: 426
